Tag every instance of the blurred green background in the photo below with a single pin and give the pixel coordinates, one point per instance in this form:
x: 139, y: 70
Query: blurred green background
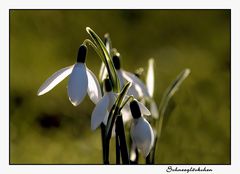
x: 50, y: 130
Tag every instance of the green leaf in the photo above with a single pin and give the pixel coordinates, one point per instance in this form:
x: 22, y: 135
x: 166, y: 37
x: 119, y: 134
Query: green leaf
x: 108, y: 43
x: 107, y: 60
x: 170, y: 91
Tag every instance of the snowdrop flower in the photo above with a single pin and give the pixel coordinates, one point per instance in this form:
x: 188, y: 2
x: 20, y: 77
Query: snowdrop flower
x: 138, y: 89
x: 103, y: 107
x: 150, y: 87
x: 141, y: 131
x: 81, y: 81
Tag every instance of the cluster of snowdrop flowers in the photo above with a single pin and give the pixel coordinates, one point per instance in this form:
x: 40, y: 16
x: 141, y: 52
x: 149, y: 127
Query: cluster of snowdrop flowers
x: 103, y: 107
x: 119, y: 97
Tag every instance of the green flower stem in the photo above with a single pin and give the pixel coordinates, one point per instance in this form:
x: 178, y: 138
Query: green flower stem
x: 103, y: 127
x: 148, y: 159
x: 101, y: 50
x: 107, y: 59
x: 170, y: 91
x: 112, y: 118
x: 117, y: 147
x: 121, y: 135
x: 107, y: 134
x: 130, y: 98
x: 108, y: 42
x: 106, y: 151
x: 89, y: 42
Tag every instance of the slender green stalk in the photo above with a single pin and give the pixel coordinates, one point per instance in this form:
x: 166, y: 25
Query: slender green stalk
x: 122, y: 139
x: 170, y: 91
x: 130, y: 98
x: 108, y: 43
x: 117, y: 146
x: 148, y: 159
x: 112, y: 118
x: 106, y: 152
x: 89, y: 42
x: 108, y: 61
x: 102, y: 138
x: 105, y: 56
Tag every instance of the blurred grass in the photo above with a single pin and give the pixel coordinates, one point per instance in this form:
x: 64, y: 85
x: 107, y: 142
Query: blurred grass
x: 49, y: 130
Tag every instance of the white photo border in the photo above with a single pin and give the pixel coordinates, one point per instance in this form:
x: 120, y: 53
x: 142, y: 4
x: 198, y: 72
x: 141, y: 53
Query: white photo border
x: 6, y: 168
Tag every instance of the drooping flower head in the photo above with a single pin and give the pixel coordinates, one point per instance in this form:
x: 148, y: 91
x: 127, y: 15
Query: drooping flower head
x: 103, y: 107
x: 141, y: 131
x: 81, y: 81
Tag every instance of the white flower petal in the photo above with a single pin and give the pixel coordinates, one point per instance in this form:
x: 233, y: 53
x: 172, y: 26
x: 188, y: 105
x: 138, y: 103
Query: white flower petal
x: 136, y: 93
x: 126, y: 114
x: 112, y: 98
x: 143, y: 109
x: 150, y: 77
x: 126, y: 111
x: 100, y: 112
x: 106, y: 118
x: 154, y: 109
x: 142, y: 135
x: 54, y: 79
x: 137, y: 83
x: 77, y: 84
x: 93, y: 90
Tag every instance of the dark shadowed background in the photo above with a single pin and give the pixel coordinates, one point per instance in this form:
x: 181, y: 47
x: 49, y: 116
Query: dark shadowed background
x: 50, y: 130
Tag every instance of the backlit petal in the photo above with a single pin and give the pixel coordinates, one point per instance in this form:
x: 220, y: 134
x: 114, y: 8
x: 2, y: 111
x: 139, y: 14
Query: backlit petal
x: 142, y: 135
x: 136, y: 93
x: 77, y: 84
x: 154, y: 109
x: 126, y: 109
x: 150, y: 77
x: 100, y: 112
x: 137, y: 83
x: 93, y: 90
x: 126, y: 114
x: 112, y: 98
x: 143, y: 109
x: 54, y: 79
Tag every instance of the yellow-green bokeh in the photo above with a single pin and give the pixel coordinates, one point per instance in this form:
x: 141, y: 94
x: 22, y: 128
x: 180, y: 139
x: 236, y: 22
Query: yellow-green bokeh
x: 197, y: 129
